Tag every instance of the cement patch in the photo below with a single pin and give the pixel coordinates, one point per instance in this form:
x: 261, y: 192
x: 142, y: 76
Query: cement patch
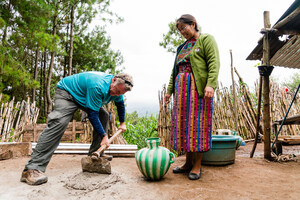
x: 91, y: 181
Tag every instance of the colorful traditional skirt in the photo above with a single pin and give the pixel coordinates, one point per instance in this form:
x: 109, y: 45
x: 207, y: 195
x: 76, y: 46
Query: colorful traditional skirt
x: 191, y: 118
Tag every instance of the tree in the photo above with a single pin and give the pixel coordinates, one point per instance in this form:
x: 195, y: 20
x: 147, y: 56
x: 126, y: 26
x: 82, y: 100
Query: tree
x: 293, y: 82
x: 81, y: 13
x: 172, y: 39
x: 18, y: 45
x: 40, y: 39
x: 92, y: 53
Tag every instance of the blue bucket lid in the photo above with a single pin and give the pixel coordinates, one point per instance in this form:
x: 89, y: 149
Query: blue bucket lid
x: 222, y: 138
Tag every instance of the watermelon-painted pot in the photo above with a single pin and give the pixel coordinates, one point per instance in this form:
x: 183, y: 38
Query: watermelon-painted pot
x: 154, y: 161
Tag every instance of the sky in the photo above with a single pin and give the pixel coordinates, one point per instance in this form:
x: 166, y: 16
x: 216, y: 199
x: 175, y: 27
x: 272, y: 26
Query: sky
x: 235, y: 24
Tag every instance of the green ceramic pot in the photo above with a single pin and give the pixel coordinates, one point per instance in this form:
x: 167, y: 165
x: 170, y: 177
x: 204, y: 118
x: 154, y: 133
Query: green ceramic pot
x: 154, y: 161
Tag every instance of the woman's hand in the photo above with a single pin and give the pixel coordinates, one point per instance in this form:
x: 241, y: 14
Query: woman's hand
x: 209, y: 92
x: 167, y: 98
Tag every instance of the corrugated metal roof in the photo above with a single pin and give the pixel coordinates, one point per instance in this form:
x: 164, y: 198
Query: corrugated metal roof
x: 275, y: 45
x: 290, y: 20
x: 283, y: 53
x: 289, y: 54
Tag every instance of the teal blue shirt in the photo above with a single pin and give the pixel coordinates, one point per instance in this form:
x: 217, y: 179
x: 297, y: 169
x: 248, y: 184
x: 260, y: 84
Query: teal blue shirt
x: 90, y: 89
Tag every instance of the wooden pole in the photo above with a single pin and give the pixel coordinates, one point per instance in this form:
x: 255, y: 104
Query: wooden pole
x: 258, y: 117
x: 73, y: 130
x: 34, y: 133
x: 234, y: 95
x: 266, y: 90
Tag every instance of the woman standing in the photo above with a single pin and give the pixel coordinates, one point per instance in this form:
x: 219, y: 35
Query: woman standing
x: 193, y: 80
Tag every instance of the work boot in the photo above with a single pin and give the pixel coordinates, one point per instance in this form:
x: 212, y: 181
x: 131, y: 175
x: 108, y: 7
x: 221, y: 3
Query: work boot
x: 107, y: 157
x: 33, y: 177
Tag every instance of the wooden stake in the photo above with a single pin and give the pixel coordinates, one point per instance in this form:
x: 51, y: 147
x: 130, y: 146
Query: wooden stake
x: 266, y: 90
x: 234, y: 94
x: 73, y: 130
x: 258, y: 117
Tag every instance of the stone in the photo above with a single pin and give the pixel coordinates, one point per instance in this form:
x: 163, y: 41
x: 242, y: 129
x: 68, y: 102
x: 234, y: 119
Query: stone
x: 6, y: 155
x: 100, y: 165
x: 18, y: 149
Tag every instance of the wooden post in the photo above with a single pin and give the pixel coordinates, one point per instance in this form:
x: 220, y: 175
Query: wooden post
x: 34, y: 133
x: 266, y: 89
x: 73, y: 130
x: 257, y: 117
x: 235, y: 114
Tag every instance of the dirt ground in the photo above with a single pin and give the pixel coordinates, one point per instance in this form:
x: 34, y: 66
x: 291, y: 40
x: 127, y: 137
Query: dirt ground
x: 247, y: 178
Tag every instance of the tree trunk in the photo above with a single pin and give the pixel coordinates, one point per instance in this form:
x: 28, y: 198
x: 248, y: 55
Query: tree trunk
x: 37, y: 55
x: 5, y: 29
x: 41, y: 87
x: 71, y: 41
x: 45, y: 84
x: 49, y: 101
x: 66, y: 57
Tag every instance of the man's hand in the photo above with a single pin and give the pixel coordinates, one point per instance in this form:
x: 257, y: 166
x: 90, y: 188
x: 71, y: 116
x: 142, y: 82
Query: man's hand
x: 167, y: 98
x: 122, y: 126
x: 105, y: 141
x: 209, y: 92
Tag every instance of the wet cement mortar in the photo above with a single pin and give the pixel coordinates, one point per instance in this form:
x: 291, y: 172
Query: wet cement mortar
x: 88, y: 182
x: 247, y: 178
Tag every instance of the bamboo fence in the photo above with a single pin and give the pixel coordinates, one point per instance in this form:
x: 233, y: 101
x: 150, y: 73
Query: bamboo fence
x: 18, y: 123
x: 14, y: 117
x: 164, y: 119
x: 246, y: 104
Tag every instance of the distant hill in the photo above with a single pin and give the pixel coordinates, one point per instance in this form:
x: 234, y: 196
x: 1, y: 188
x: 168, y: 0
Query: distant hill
x: 142, y: 108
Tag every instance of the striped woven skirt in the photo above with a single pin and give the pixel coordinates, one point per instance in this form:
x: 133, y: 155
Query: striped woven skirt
x: 191, y: 126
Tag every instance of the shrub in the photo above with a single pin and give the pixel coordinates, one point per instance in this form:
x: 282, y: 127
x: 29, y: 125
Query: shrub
x: 139, y: 129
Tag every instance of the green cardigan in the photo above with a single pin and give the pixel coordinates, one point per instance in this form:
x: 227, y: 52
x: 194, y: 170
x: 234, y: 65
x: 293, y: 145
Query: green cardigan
x: 205, y: 63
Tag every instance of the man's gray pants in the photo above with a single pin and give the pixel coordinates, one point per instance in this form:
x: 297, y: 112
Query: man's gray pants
x: 58, y: 120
